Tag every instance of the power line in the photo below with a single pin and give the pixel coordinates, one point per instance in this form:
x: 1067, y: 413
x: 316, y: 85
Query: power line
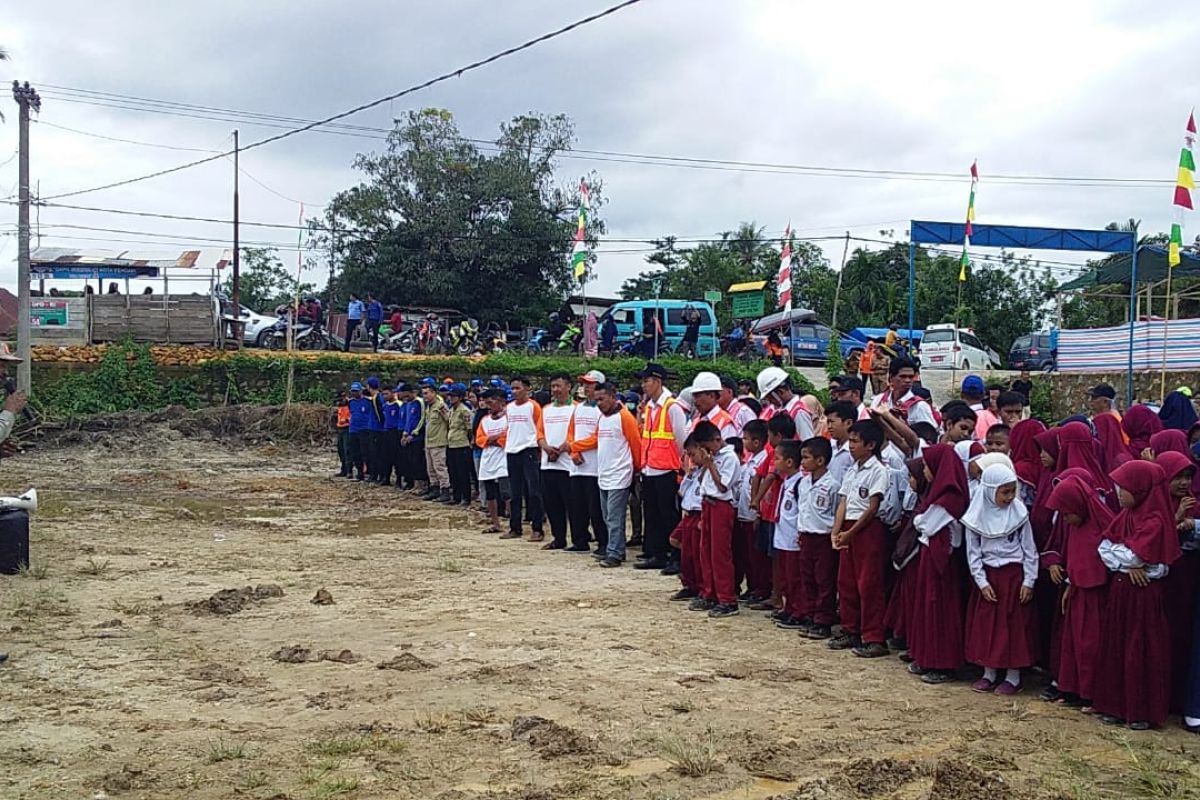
x: 615, y: 156
x: 457, y: 73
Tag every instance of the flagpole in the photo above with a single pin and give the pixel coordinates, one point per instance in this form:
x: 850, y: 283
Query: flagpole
x: 965, y: 260
x: 1185, y: 181
x: 1162, y: 381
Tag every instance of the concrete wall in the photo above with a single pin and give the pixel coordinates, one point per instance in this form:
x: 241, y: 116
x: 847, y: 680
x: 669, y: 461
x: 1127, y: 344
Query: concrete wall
x: 1069, y: 392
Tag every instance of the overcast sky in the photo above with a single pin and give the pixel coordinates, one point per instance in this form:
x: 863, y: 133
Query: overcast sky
x: 1096, y: 89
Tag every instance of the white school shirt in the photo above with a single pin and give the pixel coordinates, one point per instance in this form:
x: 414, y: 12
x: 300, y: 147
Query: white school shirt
x: 689, y: 491
x: 840, y: 461
x: 522, y: 426
x: 614, y: 458
x: 998, y: 551
x: 586, y: 416
x: 493, y: 463
x: 801, y: 416
x: 862, y: 482
x: 679, y: 426
x: 787, y: 535
x: 746, y: 511
x: 816, y: 504
x: 726, y: 463
x: 742, y: 414
x: 556, y: 420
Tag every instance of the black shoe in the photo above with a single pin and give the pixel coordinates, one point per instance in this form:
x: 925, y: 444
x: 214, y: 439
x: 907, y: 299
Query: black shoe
x: 446, y: 500
x: 684, y: 594
x: 610, y: 562
x: 724, y: 610
x: 844, y: 642
x: 636, y: 541
x: 359, y: 478
x: 3, y: 657
x: 600, y: 555
x: 817, y: 632
x: 652, y: 563
x: 897, y: 645
x: 554, y: 546
x: 937, y: 676
x: 791, y: 623
x: 871, y: 650
x: 775, y: 616
x: 577, y: 548
x: 702, y: 604
x: 747, y: 597
x: 672, y: 568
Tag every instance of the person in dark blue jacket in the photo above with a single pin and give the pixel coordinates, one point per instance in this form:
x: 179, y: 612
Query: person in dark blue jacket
x: 389, y: 448
x: 374, y: 320
x: 360, y: 415
x: 374, y: 429
x: 412, y: 440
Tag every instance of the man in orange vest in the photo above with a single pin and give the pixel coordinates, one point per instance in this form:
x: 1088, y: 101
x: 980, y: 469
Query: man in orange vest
x: 706, y: 397
x: 664, y: 429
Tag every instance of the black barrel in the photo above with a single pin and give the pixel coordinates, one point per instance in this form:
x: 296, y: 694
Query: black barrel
x: 14, y: 541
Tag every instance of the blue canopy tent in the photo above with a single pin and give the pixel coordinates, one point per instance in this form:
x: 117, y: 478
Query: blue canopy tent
x: 1025, y: 238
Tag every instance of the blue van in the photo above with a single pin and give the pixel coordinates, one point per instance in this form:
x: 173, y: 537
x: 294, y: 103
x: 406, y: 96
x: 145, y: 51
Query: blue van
x: 631, y: 316
x: 809, y: 338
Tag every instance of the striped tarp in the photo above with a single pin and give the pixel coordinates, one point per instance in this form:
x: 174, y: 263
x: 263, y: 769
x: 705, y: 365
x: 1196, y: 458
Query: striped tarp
x: 1107, y: 349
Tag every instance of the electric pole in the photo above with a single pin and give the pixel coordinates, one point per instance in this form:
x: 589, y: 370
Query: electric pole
x: 27, y: 98
x: 237, y: 253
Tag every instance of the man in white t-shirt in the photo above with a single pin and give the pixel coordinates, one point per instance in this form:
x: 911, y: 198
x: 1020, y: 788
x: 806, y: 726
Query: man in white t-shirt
x: 553, y: 430
x: 618, y: 458
x: 899, y: 397
x: 585, y: 507
x: 524, y: 473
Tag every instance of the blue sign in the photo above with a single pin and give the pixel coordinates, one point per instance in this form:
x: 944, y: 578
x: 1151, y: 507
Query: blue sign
x: 82, y: 272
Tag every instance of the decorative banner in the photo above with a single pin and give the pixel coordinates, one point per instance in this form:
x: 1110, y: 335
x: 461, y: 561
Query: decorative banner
x: 783, y: 282
x: 579, y: 254
x: 970, y: 228
x: 43, y: 313
x: 1185, y: 181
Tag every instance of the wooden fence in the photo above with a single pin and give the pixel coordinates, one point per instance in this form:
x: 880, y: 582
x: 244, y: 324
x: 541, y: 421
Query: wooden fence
x: 176, y: 319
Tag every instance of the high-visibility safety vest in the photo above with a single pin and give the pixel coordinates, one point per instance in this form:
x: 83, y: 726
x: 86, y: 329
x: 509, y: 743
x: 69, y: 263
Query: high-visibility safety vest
x: 658, y: 440
x: 721, y: 418
x: 343, y: 416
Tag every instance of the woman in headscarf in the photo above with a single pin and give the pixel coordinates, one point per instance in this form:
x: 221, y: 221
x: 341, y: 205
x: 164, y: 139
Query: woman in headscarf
x: 591, y: 341
x: 1177, y: 412
x: 901, y: 600
x: 1113, y: 443
x: 1179, y: 587
x: 935, y: 623
x: 1086, y: 518
x: 1169, y: 441
x: 1140, y: 423
x: 819, y: 423
x: 1001, y: 624
x: 1077, y: 451
x: 1049, y: 536
x: 1133, y: 680
x: 1027, y: 458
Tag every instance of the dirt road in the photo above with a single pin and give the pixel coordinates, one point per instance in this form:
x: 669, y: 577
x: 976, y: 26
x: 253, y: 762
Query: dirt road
x: 449, y: 664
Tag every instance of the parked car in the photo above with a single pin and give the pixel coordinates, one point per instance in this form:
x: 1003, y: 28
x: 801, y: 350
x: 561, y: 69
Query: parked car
x: 630, y: 315
x: 258, y: 327
x: 1034, y: 353
x: 945, y: 346
x: 809, y: 337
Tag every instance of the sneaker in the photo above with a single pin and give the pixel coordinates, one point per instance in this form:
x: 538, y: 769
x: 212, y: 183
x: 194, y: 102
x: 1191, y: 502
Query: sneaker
x: 724, y: 610
x: 511, y: 535
x: 897, y: 645
x: 1139, y: 725
x: 672, y: 568
x: 684, y: 594
x: 937, y: 676
x: 702, y: 604
x: 610, y: 562
x: 915, y: 669
x: 763, y: 605
x: 817, y: 632
x: 747, y: 597
x: 846, y: 641
x: 651, y: 563
x: 600, y: 555
x: 776, y: 616
x: 871, y: 650
x: 791, y: 623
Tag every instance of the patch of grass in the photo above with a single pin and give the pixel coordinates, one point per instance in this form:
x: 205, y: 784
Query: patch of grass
x: 53, y: 506
x: 37, y: 572
x: 254, y: 780
x: 1152, y: 773
x: 432, y: 723
x: 694, y: 758
x: 347, y: 746
x: 222, y: 750
x: 94, y: 567
x: 132, y: 608
x: 319, y: 770
x: 1020, y: 712
x: 42, y: 601
x: 478, y: 716
x: 449, y: 565
x: 335, y: 788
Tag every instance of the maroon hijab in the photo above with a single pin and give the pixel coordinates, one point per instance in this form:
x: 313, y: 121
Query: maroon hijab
x: 949, y: 487
x: 1139, y: 424
x: 1041, y: 517
x: 1026, y: 455
x: 1174, y: 463
x: 1112, y: 441
x: 1148, y: 529
x: 1075, y: 495
x: 1170, y: 441
x: 1077, y: 450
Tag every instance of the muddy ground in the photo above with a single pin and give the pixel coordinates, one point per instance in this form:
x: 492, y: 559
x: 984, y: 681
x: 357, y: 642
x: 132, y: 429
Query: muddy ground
x: 441, y: 663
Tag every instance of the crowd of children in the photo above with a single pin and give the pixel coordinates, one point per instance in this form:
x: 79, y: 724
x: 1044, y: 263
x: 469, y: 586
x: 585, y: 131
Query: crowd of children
x: 968, y: 539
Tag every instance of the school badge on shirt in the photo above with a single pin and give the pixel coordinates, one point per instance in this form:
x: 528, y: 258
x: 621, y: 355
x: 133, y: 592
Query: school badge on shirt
x: 862, y: 492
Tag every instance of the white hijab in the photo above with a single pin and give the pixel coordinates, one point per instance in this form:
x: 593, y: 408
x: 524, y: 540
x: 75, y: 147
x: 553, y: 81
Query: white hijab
x: 988, y: 459
x: 983, y: 515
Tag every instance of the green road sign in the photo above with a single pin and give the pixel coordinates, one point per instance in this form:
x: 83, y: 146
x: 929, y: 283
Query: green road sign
x: 712, y: 296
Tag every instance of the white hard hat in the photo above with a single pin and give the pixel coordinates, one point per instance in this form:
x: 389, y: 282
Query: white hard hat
x: 771, y: 379
x: 684, y: 399
x: 705, y: 382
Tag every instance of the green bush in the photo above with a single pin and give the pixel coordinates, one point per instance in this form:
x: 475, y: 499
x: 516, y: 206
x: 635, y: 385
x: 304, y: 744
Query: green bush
x: 1041, y: 405
x: 125, y: 379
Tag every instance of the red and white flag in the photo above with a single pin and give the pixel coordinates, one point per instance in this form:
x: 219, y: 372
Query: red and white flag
x: 783, y: 281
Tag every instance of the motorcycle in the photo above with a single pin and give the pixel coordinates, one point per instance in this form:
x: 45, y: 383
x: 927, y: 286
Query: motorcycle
x: 495, y: 340
x: 534, y: 346
x: 305, y: 336
x: 569, y: 341
x: 637, y: 346
x: 464, y: 337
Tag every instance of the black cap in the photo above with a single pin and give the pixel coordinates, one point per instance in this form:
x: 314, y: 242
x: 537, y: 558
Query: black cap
x: 849, y: 383
x: 1103, y: 390
x: 727, y: 382
x: 653, y: 370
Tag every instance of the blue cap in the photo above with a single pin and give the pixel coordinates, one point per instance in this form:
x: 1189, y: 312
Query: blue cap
x: 403, y: 387
x: 373, y: 382
x: 356, y: 387
x: 458, y: 389
x: 476, y: 382
x: 973, y: 385
x: 427, y: 381
x: 445, y: 387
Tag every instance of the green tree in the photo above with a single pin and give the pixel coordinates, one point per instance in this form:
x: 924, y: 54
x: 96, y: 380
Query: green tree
x: 264, y: 282
x: 436, y: 222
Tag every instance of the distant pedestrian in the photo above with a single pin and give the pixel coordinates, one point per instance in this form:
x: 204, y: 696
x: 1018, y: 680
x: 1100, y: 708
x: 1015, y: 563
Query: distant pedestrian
x: 354, y: 317
x: 374, y: 320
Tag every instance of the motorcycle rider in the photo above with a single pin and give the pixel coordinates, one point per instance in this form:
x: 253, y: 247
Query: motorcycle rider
x: 554, y: 330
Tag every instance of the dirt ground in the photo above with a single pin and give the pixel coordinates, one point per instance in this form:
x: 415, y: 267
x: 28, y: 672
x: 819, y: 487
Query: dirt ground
x: 443, y: 663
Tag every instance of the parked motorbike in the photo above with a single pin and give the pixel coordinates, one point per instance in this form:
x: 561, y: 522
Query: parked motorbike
x: 305, y: 336
x: 495, y: 340
x: 635, y: 346
x: 570, y: 339
x: 535, y: 345
x: 464, y: 337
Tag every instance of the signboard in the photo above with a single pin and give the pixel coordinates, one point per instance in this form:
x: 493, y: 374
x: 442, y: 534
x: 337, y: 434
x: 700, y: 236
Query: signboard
x: 80, y: 272
x: 712, y: 296
x: 43, y: 313
x: 748, y: 304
